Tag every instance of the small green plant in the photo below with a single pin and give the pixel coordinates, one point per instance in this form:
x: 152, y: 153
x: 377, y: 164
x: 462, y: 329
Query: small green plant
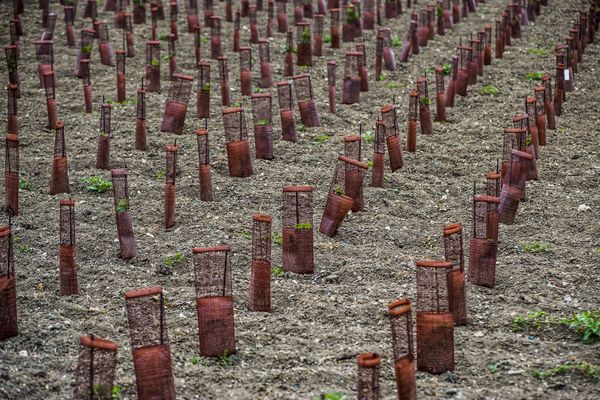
x: 174, y: 259
x: 327, y: 38
x: 24, y: 249
x: 585, y: 323
x: 338, y: 190
x: 492, y: 367
x: 11, y: 63
x: 87, y: 49
x: 204, y: 39
x: 439, y: 11
x: 535, y: 76
x: 225, y: 359
x: 425, y: 101
x: 262, y: 122
x: 368, y: 137
x: 300, y: 127
x: 169, y: 262
x: 393, y: 85
x: 306, y: 225
x: 155, y: 62
x: 160, y: 174
x: 528, y: 141
x: 97, y: 390
x: 206, y: 87
x: 535, y: 247
x: 589, y: 370
x: 333, y: 396
x: 305, y: 37
x: 533, y: 320
x: 257, y: 90
x: 25, y: 184
x: 538, y: 51
x: 490, y: 90
x: 370, y: 163
x: 321, y: 138
x: 447, y: 68
x: 237, y: 104
x: 195, y: 360
x: 163, y: 36
x: 121, y: 205
x: 382, y: 77
x: 278, y: 239
x: 164, y: 57
x: 352, y: 15
x: 277, y: 271
x: 97, y: 184
x: 244, y: 235
x: 395, y: 41
x: 116, y: 392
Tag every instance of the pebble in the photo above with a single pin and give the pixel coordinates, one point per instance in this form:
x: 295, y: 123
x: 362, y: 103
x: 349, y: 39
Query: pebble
x: 23, y: 353
x: 515, y: 372
x: 583, y: 208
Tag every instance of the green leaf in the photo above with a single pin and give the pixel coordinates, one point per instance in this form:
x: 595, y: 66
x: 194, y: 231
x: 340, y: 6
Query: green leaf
x: 536, y: 247
x: 490, y: 90
x: 278, y: 239
x: 25, y: 184
x: 535, y: 76
x: 368, y: 137
x: 447, y: 68
x: 122, y: 205
x: 538, y: 52
x: 586, y: 323
x: 116, y: 392
x: 277, y: 271
x: 97, y: 184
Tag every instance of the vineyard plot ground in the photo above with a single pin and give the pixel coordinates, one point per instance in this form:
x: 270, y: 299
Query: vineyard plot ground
x: 319, y: 323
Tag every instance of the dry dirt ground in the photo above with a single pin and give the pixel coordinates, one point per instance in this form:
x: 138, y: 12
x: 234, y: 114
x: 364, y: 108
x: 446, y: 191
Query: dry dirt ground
x: 307, y: 346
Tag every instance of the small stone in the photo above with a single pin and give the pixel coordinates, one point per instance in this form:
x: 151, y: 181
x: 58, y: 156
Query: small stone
x: 583, y: 208
x: 478, y: 334
x: 515, y: 372
x: 23, y: 353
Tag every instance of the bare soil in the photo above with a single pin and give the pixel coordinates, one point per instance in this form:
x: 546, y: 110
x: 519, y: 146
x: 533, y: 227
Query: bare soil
x: 319, y: 323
